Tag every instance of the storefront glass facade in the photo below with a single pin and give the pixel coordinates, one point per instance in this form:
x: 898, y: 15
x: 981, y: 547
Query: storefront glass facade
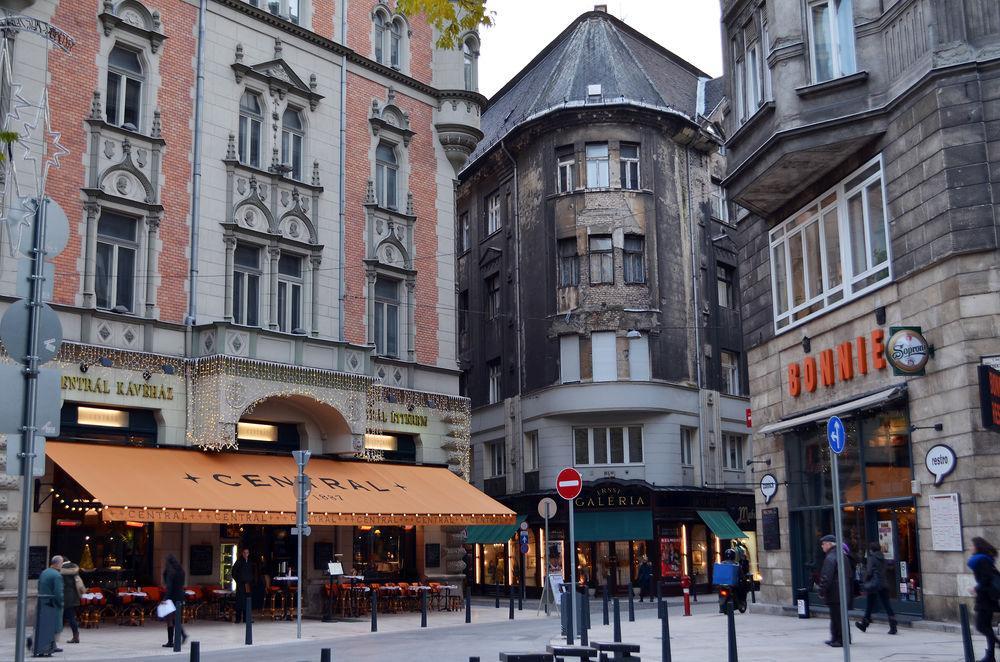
x: 875, y: 475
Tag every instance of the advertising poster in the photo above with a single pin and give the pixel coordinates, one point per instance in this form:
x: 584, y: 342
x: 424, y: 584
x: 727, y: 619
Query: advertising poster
x: 887, y: 539
x: 554, y: 556
x: 670, y: 558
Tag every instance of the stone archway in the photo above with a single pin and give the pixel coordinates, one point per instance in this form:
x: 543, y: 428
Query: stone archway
x: 326, y: 429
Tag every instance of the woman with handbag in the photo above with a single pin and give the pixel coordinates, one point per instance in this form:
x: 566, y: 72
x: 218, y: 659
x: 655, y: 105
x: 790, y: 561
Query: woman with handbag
x: 173, y: 582
x: 983, y: 566
x: 874, y: 585
x: 73, y: 588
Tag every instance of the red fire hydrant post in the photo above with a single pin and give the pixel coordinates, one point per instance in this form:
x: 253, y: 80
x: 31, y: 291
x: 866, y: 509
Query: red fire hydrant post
x: 686, y: 585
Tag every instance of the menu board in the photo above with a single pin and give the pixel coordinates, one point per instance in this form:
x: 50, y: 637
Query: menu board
x: 771, y: 527
x: 432, y: 555
x: 322, y: 555
x: 946, y: 523
x: 201, y: 560
x: 38, y: 560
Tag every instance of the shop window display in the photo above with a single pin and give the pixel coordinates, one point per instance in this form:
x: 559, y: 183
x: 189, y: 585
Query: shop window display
x: 387, y: 552
x: 494, y: 560
x: 671, y: 555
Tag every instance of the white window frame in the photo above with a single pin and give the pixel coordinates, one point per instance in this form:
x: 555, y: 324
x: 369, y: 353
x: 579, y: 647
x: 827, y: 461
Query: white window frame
x: 843, y: 57
x: 491, y: 297
x: 293, y: 144
x: 832, y: 295
x: 725, y: 285
x: 387, y: 177
x: 604, y: 356
x: 117, y: 245
x: 464, y: 232
x: 383, y: 307
x: 495, y: 381
x: 470, y: 63
x: 729, y: 371
x: 496, y: 465
x: 493, y: 220
x: 598, y: 166
x: 530, y: 451
x: 605, y: 260
x: 290, y: 10
x: 251, y: 124
x: 629, y: 174
x: 569, y: 263
x: 733, y: 451
x: 566, y: 172
x: 687, y: 442
x: 718, y: 202
x: 242, y: 275
x: 593, y: 440
x: 124, y: 76
x: 634, y: 261
x: 288, y: 285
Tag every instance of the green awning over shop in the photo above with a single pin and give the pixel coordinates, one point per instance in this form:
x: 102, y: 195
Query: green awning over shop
x: 621, y: 525
x: 488, y: 534
x: 722, y: 524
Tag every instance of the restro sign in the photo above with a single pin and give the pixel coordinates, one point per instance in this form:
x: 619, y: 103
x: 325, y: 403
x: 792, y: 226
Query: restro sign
x: 569, y: 483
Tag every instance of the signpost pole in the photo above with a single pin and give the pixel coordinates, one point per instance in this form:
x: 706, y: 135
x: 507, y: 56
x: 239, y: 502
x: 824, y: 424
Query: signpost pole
x: 546, y: 588
x: 837, y: 436
x: 301, y: 511
x: 28, y: 430
x: 572, y: 573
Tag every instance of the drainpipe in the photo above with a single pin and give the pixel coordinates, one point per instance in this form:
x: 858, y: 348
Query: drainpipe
x: 517, y: 307
x: 342, y: 212
x: 697, y: 312
x: 199, y: 104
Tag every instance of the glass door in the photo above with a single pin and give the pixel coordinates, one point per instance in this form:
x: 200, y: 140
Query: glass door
x: 894, y: 526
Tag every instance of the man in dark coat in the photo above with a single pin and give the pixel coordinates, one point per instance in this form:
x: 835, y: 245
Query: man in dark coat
x: 829, y: 587
x: 173, y: 583
x: 242, y: 573
x: 49, y: 614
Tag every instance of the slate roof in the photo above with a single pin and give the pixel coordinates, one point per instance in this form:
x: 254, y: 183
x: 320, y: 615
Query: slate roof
x: 596, y: 48
x: 715, y: 92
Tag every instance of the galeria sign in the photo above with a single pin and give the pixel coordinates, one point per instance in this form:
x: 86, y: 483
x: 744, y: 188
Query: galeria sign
x: 842, y: 364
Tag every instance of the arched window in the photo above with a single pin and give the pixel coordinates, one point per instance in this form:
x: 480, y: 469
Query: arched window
x: 386, y: 169
x: 469, y: 63
x: 123, y: 105
x: 395, y: 39
x: 251, y: 124
x: 291, y: 142
x: 379, y: 37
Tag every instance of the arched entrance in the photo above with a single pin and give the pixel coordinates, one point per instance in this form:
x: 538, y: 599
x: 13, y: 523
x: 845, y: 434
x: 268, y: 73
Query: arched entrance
x: 291, y: 421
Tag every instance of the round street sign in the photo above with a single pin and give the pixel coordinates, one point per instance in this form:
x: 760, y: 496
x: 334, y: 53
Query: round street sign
x: 940, y: 461
x: 569, y: 483
x: 547, y: 508
x: 768, y: 486
x: 836, y: 434
x: 524, y: 526
x: 14, y: 332
x: 21, y: 224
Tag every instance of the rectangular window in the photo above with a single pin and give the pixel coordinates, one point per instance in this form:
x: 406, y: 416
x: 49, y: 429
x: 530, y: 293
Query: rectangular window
x: 493, y: 213
x: 289, y: 293
x: 832, y: 251
x: 246, y: 285
x: 495, y: 385
x: 387, y: 317
x: 496, y: 452
x: 492, y: 299
x: 607, y: 445
x: 724, y: 276
x: 604, y: 358
x: 597, y: 166
x: 733, y: 451
x: 831, y: 39
x: 687, y: 446
x: 730, y: 372
x: 633, y: 259
x: 463, y: 316
x: 569, y: 358
x: 717, y: 201
x: 602, y: 260
x: 464, y: 233
x: 629, y: 162
x: 115, y: 271
x: 638, y: 358
x: 531, y: 451
x: 569, y: 263
x: 566, y: 173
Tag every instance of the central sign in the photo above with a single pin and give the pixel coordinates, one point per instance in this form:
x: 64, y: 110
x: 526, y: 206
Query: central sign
x: 569, y: 483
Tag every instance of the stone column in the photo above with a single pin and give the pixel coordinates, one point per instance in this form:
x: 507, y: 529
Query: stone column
x: 273, y: 252
x: 152, y: 229
x: 227, y: 314
x: 371, y: 276
x: 314, y: 262
x: 411, y: 319
x: 90, y: 255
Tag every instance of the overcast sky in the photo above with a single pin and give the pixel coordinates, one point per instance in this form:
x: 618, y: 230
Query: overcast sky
x: 689, y: 28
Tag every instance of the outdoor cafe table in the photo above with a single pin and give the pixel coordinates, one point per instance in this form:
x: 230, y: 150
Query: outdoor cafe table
x: 352, y: 593
x: 286, y: 583
x: 447, y: 596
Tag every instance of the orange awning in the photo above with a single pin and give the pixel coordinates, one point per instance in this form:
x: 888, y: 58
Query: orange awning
x: 180, y: 485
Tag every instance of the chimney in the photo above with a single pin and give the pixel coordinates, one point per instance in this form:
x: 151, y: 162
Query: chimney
x: 603, y: 8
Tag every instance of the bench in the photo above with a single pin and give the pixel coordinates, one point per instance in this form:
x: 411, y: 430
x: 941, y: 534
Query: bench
x: 576, y: 652
x: 619, y: 651
x: 526, y: 657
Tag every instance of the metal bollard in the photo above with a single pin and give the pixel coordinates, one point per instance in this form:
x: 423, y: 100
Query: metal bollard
x: 468, y: 604
x: 195, y: 651
x: 248, y: 619
x: 586, y: 611
x: 733, y: 654
x: 963, y: 613
x: 568, y: 610
x: 659, y: 596
x: 584, y: 608
x: 374, y: 611
x: 664, y: 631
x: 496, y: 594
x: 178, y: 627
x: 423, y: 609
x: 325, y: 655
x: 607, y: 619
x: 631, y: 603
x: 510, y: 612
x: 618, y: 621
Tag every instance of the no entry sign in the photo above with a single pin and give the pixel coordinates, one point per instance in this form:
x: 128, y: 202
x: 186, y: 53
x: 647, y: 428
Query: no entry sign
x: 569, y: 483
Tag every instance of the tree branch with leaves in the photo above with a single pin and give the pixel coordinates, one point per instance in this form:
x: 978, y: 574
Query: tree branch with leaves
x: 452, y: 18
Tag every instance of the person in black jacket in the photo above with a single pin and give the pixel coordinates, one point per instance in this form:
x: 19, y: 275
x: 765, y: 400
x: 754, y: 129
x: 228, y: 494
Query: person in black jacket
x: 243, y: 574
x: 983, y: 566
x: 875, y: 586
x: 829, y: 587
x: 173, y: 582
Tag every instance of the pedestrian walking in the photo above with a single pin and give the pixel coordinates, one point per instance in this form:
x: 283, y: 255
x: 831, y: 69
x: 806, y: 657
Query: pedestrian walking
x: 829, y: 587
x: 49, y: 613
x: 645, y: 579
x: 242, y: 574
x: 983, y: 566
x: 173, y: 582
x: 73, y: 588
x: 874, y: 584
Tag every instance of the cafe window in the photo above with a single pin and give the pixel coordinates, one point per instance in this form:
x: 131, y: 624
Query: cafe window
x: 607, y: 445
x: 267, y: 435
x: 135, y: 427
x: 385, y: 552
x: 834, y: 250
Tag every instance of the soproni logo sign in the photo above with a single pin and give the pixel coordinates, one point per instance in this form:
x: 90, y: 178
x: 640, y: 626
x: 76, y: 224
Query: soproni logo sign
x: 907, y: 350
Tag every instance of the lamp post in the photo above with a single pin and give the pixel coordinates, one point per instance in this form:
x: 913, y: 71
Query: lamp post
x: 301, y: 511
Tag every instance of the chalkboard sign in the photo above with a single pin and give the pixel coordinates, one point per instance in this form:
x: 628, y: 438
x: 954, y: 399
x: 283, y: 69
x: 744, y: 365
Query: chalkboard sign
x: 432, y: 555
x: 201, y: 560
x: 38, y: 560
x: 322, y: 554
x: 772, y: 530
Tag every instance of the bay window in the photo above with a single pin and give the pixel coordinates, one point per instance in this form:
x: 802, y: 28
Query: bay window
x: 634, y: 259
x: 289, y: 293
x: 569, y: 263
x: 597, y: 166
x: 607, y: 445
x: 566, y: 175
x: 602, y: 260
x: 629, y: 162
x: 834, y: 250
x: 831, y: 39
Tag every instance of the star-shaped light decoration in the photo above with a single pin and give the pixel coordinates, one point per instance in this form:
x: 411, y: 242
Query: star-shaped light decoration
x: 51, y: 147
